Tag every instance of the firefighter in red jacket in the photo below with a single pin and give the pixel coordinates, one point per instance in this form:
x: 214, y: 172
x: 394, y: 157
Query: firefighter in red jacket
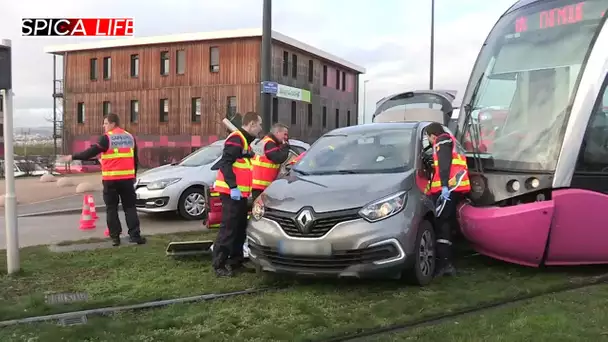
x: 233, y: 183
x: 118, y: 169
x: 448, y: 160
x: 276, y: 151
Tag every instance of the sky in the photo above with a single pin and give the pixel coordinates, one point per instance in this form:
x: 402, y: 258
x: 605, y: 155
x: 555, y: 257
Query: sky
x: 390, y: 38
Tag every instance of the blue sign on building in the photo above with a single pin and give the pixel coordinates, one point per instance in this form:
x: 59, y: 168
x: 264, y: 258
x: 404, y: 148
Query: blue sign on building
x: 270, y: 87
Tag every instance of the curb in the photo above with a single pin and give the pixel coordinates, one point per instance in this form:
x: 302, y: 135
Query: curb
x: 69, y: 211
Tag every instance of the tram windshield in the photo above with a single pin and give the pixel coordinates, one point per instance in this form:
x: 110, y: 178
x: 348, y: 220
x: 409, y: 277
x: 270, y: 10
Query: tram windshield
x: 519, y: 95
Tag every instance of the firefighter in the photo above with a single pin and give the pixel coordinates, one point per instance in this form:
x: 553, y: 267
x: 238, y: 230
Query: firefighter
x: 276, y: 151
x: 118, y: 173
x: 233, y: 183
x: 448, y: 160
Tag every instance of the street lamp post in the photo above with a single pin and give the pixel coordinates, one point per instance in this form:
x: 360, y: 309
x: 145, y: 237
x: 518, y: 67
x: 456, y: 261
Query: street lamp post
x: 364, y: 99
x: 266, y: 63
x: 432, y: 57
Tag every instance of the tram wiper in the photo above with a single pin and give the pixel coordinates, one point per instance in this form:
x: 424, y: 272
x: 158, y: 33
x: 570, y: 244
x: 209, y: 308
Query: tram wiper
x: 474, y: 133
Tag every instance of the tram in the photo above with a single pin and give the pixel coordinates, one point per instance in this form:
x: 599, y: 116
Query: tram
x: 540, y: 187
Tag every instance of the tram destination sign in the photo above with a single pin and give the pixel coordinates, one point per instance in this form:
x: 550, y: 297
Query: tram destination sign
x: 561, y: 16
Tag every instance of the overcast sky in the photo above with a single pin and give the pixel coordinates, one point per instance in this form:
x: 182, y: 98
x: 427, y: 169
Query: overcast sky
x: 390, y: 38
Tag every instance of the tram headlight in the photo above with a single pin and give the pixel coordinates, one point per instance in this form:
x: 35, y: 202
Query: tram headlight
x: 533, y: 183
x: 513, y: 186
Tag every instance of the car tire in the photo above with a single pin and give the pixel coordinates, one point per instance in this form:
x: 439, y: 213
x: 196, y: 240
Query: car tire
x: 422, y: 270
x: 192, y: 196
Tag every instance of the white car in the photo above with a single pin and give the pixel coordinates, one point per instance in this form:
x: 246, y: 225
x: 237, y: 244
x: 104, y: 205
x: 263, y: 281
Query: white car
x: 181, y: 186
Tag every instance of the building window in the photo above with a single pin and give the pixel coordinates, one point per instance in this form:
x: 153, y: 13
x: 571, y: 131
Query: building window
x: 294, y: 66
x: 1, y: 103
x: 294, y: 115
x: 134, y: 111
x: 338, y: 79
x: 134, y: 65
x: 311, y: 71
x: 285, y: 63
x: 231, y: 107
x: 107, y: 108
x: 348, y: 118
x: 107, y: 68
x: 325, y: 75
x: 164, y: 110
x: 80, y: 112
x: 164, y: 63
x: 214, y: 59
x: 275, y: 110
x: 196, y: 109
x: 180, y: 62
x: 324, y: 117
x: 93, y: 69
x: 309, y: 114
x: 343, y: 81
x: 337, y: 118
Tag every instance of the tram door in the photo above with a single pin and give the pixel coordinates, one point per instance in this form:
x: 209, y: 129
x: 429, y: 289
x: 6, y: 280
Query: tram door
x: 591, y: 171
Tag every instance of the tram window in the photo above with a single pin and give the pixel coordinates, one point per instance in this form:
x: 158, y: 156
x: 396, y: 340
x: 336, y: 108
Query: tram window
x: 594, y: 150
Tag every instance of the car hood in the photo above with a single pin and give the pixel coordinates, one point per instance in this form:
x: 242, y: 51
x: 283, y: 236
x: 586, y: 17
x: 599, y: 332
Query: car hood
x: 333, y: 192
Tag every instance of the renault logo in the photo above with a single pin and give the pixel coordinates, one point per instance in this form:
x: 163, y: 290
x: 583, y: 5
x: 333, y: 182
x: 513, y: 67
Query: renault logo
x: 304, y: 220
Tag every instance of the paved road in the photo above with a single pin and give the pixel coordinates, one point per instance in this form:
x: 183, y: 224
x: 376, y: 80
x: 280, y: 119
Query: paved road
x: 54, y: 229
x: 63, y: 203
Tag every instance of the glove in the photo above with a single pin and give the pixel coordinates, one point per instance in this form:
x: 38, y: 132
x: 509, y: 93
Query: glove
x: 235, y: 194
x: 445, y: 193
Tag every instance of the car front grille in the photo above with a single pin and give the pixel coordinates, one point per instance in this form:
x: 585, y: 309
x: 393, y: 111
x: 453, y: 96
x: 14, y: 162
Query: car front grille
x: 323, y: 222
x: 339, y: 260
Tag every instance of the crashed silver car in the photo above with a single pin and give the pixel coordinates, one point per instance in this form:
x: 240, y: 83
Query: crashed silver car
x: 354, y: 206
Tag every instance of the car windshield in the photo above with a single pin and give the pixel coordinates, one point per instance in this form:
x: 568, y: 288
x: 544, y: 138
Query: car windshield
x: 203, y: 156
x: 525, y: 77
x: 372, y: 152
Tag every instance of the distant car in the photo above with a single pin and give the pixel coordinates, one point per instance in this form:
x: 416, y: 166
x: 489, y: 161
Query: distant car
x: 78, y: 166
x: 183, y: 186
x: 354, y: 205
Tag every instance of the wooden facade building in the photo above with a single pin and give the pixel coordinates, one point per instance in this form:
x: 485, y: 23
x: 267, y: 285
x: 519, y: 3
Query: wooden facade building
x: 172, y: 92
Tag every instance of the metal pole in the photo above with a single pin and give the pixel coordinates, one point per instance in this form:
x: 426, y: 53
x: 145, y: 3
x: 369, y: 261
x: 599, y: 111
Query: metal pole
x: 432, y: 44
x: 10, y: 200
x: 265, y: 110
x: 54, y: 109
x: 364, y: 98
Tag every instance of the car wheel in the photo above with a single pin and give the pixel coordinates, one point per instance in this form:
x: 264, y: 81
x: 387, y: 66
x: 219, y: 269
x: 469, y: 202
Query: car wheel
x: 423, y: 268
x: 192, y: 204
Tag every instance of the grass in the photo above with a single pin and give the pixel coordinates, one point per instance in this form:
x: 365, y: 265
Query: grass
x: 314, y: 310
x: 111, y: 276
x: 578, y: 315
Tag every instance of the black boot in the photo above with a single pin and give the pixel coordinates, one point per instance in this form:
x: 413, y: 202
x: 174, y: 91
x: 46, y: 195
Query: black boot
x: 445, y: 268
x: 116, y: 241
x: 140, y: 240
x: 239, y: 266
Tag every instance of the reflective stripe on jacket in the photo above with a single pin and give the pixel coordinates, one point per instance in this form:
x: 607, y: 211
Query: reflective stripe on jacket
x: 264, y: 170
x: 118, y: 161
x: 242, y: 169
x: 459, y: 162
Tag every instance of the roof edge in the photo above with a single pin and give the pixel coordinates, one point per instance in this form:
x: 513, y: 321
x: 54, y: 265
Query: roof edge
x: 200, y: 36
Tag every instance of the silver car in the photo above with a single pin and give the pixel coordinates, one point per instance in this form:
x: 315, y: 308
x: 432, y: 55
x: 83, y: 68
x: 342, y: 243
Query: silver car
x: 354, y: 206
x: 181, y: 187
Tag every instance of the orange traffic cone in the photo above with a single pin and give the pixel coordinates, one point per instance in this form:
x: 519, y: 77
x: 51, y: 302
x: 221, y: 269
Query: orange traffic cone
x: 86, y: 221
x: 92, y: 207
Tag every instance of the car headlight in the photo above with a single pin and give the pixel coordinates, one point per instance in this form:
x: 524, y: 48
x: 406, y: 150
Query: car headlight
x: 384, y: 207
x: 163, y: 183
x: 257, y: 211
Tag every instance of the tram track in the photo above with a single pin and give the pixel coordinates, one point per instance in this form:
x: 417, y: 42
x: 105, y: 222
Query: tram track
x: 432, y: 320
x: 81, y: 316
